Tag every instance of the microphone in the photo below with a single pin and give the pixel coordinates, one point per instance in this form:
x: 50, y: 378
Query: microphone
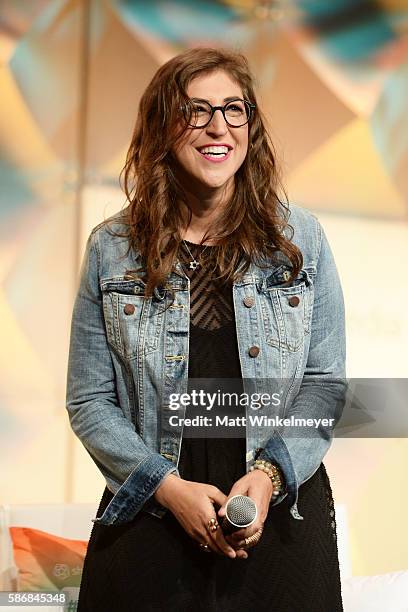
x: 240, y: 512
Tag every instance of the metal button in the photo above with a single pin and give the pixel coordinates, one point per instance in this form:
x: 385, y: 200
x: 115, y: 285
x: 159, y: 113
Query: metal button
x: 294, y: 301
x: 254, y: 351
x: 249, y: 301
x: 129, y: 309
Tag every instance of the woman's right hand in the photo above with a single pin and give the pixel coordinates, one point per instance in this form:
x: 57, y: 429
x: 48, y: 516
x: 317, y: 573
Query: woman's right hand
x: 192, y: 503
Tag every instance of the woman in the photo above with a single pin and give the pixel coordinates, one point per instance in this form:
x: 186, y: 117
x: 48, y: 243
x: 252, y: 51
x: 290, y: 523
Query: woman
x: 202, y: 277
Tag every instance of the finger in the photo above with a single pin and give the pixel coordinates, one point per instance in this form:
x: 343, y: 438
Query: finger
x: 241, y: 534
x: 217, y: 537
x: 245, y: 544
x: 214, y: 548
x: 234, y: 541
x: 217, y: 544
x: 222, y: 544
x: 242, y: 554
x: 216, y: 495
x: 237, y: 489
x: 229, y: 539
x: 205, y: 539
x: 239, y: 554
x: 204, y: 546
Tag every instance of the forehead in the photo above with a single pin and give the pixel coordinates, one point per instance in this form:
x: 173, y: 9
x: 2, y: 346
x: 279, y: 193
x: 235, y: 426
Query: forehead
x: 214, y: 87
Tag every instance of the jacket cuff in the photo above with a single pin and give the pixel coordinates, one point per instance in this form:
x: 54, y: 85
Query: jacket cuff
x: 277, y: 452
x: 136, y: 491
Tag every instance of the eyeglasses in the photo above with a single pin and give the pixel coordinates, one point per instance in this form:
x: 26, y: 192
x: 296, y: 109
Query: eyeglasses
x: 236, y: 113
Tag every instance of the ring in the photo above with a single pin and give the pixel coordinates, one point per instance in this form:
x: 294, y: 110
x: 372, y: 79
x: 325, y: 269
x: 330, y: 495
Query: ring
x: 251, y: 540
x: 213, y: 524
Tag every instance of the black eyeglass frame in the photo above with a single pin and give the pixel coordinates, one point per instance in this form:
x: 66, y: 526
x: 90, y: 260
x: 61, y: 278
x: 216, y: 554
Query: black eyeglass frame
x: 249, y: 105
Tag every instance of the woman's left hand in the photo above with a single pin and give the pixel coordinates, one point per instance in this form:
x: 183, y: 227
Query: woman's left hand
x: 258, y: 486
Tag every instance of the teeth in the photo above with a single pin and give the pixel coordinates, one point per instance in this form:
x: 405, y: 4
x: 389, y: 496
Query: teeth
x: 216, y: 150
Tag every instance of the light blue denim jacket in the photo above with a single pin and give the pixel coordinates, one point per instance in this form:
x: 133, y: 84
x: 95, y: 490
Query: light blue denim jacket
x: 125, y: 363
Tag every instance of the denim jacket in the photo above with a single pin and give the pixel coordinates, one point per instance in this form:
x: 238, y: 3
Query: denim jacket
x: 128, y: 355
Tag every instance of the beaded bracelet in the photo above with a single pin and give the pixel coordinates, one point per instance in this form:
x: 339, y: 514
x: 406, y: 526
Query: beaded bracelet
x: 274, y: 474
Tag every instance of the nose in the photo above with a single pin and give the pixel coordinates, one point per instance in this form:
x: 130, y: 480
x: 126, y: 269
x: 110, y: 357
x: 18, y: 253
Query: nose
x: 217, y: 125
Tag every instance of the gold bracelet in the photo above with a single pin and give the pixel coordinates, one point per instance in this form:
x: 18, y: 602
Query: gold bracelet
x: 274, y: 473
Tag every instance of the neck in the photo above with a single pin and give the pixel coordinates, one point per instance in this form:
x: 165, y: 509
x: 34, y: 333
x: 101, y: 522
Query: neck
x: 205, y: 206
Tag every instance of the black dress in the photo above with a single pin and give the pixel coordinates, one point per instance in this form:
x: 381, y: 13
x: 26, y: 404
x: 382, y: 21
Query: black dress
x: 153, y: 564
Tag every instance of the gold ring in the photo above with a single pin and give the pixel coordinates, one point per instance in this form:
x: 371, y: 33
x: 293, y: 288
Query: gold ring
x: 213, y: 524
x: 251, y: 540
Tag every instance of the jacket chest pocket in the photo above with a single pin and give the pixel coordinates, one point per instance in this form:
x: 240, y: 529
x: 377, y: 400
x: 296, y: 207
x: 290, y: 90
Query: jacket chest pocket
x: 287, y: 310
x: 133, y: 324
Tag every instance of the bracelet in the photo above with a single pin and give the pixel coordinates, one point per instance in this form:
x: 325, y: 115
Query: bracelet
x: 274, y: 473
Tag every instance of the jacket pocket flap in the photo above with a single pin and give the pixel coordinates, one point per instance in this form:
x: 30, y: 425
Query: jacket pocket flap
x: 121, y: 285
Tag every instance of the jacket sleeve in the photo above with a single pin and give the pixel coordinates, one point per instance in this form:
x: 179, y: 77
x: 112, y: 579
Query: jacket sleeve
x: 323, y: 388
x: 132, y: 471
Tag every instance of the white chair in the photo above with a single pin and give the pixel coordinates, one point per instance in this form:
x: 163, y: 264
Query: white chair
x: 343, y: 545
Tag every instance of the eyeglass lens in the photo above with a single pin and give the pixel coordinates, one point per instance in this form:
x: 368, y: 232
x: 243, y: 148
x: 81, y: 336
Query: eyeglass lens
x: 236, y: 113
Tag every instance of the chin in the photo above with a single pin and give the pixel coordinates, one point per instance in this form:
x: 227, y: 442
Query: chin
x: 216, y: 182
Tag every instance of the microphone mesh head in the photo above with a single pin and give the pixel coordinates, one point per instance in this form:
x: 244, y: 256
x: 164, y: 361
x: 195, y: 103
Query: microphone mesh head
x: 241, y: 510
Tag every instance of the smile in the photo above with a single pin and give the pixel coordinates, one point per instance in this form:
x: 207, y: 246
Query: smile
x: 215, y: 154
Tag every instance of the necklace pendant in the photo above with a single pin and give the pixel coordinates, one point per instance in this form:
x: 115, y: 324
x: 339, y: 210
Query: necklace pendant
x: 194, y: 265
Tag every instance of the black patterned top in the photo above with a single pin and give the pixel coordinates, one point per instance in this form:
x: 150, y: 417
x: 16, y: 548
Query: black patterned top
x: 213, y: 353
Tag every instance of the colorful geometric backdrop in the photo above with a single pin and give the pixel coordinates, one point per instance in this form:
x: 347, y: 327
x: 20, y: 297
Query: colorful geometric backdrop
x: 333, y: 83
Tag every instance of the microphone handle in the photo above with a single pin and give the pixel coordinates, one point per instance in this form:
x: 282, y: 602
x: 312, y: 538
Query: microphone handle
x: 227, y: 527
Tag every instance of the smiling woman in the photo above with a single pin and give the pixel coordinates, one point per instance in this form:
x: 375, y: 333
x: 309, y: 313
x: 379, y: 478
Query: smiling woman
x: 211, y: 282
x: 209, y: 157
x: 177, y: 186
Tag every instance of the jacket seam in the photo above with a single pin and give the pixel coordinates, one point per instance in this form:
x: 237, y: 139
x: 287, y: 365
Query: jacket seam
x: 95, y: 247
x: 319, y: 241
x: 116, y: 217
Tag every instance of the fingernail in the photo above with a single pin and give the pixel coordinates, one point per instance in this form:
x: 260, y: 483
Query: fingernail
x: 232, y: 554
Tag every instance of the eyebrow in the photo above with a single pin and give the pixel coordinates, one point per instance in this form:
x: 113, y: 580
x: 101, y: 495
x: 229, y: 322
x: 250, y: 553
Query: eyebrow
x: 230, y: 99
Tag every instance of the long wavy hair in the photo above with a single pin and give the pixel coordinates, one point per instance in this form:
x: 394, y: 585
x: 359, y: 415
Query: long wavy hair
x: 250, y: 226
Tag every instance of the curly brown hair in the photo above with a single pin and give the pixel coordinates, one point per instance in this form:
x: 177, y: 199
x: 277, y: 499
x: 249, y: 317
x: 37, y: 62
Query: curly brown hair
x: 251, y: 224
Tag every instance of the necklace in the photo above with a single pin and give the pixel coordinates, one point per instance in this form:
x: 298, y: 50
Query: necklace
x: 193, y: 262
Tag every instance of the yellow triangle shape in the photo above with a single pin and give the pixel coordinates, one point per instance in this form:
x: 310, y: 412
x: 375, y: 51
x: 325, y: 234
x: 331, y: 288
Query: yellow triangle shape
x: 346, y: 174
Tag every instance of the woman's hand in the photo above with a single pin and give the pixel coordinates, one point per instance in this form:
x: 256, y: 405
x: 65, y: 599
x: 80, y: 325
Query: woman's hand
x: 258, y: 486
x: 192, y: 503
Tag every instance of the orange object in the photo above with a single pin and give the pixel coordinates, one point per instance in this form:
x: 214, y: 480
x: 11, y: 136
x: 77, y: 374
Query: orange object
x: 46, y: 561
